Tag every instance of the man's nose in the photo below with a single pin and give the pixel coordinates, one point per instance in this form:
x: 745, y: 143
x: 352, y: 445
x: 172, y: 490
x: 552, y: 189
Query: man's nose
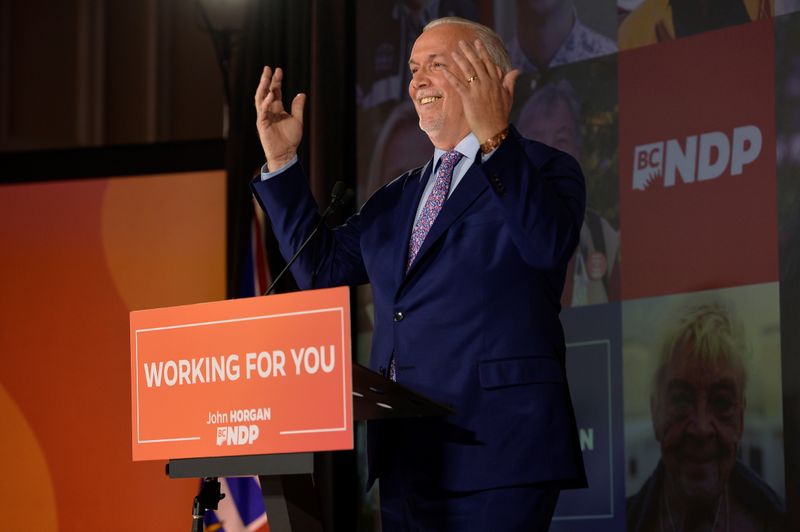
x: 701, y: 421
x: 419, y: 79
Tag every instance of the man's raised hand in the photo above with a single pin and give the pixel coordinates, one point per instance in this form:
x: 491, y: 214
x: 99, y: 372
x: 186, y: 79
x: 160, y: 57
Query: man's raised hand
x: 279, y: 131
x: 486, y: 92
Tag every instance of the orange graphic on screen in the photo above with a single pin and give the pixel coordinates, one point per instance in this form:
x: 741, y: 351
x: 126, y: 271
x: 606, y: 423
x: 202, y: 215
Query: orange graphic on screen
x: 78, y: 256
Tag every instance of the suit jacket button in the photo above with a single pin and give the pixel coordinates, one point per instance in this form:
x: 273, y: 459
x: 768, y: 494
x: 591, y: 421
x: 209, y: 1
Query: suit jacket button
x: 398, y: 316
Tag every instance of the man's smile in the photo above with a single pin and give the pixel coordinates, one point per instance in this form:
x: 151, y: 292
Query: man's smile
x: 425, y: 100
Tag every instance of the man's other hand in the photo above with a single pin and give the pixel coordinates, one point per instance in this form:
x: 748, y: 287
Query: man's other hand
x: 279, y: 131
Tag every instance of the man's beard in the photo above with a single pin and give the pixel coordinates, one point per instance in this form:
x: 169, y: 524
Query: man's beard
x: 431, y: 124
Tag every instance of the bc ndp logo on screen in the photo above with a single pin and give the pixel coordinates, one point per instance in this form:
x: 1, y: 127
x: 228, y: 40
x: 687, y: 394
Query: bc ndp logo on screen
x: 696, y: 158
x: 697, y: 185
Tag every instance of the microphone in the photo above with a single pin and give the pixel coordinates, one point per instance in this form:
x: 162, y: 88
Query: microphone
x: 337, y: 191
x: 339, y: 195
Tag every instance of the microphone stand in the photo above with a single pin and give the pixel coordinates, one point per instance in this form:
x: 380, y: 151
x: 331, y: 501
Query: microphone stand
x: 210, y: 491
x: 338, y: 196
x: 207, y: 499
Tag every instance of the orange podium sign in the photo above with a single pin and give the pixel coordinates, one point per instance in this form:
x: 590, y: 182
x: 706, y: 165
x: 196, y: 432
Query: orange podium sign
x: 245, y: 376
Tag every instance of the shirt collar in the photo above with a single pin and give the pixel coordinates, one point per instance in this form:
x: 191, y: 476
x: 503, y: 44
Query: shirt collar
x: 468, y: 147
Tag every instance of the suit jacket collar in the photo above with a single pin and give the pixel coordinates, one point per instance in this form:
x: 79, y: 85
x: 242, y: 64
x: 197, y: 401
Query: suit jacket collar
x: 472, y: 185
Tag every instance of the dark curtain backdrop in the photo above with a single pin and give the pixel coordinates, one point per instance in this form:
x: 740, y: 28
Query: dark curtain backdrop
x: 312, y: 41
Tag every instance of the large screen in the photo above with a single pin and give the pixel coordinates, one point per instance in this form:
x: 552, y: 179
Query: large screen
x: 685, y: 117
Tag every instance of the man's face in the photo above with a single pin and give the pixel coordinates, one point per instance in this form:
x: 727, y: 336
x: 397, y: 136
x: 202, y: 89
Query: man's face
x: 438, y: 104
x: 698, y: 418
x: 553, y: 126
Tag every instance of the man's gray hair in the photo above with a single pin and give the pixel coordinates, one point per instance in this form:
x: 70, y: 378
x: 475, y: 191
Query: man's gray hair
x: 490, y: 39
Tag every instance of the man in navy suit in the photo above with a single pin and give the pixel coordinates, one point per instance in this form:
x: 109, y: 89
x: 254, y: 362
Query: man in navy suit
x: 467, y: 258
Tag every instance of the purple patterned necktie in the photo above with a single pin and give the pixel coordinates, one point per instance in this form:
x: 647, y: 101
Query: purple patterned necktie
x: 433, y: 204
x: 428, y: 215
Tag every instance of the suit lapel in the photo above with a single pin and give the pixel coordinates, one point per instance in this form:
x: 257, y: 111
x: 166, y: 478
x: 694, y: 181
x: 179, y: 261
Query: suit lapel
x: 471, y: 186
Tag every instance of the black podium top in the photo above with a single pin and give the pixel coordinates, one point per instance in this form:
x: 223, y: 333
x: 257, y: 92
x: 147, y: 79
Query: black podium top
x: 376, y: 397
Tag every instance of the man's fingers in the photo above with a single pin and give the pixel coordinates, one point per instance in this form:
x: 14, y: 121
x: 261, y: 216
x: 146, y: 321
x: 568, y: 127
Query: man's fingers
x: 489, y: 65
x: 298, y: 104
x: 463, y: 65
x: 263, y: 114
x: 478, y: 67
x: 268, y: 101
x: 510, y: 79
x: 263, y: 85
x: 454, y: 81
x: 275, y: 86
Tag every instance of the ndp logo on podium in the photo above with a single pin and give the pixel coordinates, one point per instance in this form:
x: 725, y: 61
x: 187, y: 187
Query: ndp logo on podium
x: 697, y: 162
x: 696, y: 158
x: 237, y: 435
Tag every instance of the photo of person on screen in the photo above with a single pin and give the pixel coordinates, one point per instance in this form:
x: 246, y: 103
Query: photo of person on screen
x: 399, y: 141
x: 385, y: 39
x: 552, y: 115
x: 697, y: 409
x: 549, y: 33
x: 655, y: 21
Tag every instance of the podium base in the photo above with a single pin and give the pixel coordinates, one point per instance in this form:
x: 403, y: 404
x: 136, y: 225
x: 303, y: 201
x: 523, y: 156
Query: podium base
x: 292, y: 503
x: 287, y: 485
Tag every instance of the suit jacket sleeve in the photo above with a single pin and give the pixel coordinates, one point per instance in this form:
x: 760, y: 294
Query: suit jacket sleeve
x: 543, y: 196
x: 290, y: 206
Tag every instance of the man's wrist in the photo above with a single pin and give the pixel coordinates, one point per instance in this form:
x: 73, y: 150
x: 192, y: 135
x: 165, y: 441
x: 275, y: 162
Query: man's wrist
x: 276, y: 163
x: 266, y: 173
x: 491, y: 144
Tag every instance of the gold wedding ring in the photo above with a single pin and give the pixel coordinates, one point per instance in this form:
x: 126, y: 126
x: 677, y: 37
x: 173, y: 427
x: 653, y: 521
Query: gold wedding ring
x: 471, y: 79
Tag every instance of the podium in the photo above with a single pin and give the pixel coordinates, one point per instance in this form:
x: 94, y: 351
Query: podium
x: 285, y: 478
x: 256, y: 387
